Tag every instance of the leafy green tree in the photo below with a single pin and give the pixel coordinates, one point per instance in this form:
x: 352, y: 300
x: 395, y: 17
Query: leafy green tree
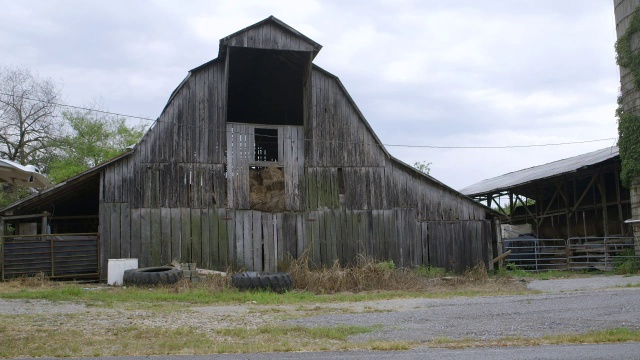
x: 92, y: 139
x: 10, y: 193
x: 423, y: 166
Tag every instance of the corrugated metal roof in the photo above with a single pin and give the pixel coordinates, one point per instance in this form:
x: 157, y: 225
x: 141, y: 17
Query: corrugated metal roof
x: 555, y: 168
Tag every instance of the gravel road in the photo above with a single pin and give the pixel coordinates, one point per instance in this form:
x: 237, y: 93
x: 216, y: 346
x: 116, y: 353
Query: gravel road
x: 601, y: 307
x: 565, y: 306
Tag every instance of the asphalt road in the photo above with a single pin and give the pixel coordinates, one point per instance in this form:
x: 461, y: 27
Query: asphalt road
x: 626, y: 351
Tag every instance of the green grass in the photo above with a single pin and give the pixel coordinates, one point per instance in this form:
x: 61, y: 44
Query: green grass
x: 340, y: 332
x: 513, y: 271
x: 108, y: 296
x: 32, y: 339
x: 616, y: 335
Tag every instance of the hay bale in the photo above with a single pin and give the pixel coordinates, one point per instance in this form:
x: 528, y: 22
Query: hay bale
x: 258, y: 196
x: 275, y: 202
x: 272, y: 173
x: 266, y: 189
x: 275, y: 186
x: 254, y: 177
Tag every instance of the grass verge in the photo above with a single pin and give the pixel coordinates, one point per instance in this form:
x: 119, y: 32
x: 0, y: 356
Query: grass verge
x: 367, y: 280
x: 616, y: 335
x: 41, y: 340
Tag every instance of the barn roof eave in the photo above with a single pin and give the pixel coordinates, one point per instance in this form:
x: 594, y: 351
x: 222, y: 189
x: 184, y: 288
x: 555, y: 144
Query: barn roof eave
x: 443, y: 185
x: 61, y: 186
x: 355, y: 106
x: 224, y: 41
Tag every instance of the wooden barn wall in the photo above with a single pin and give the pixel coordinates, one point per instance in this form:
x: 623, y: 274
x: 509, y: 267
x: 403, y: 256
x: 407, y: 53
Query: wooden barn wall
x: 337, y: 134
x: 254, y: 240
x: 388, y: 187
x: 240, y: 156
x: 338, y: 138
x: 269, y: 36
x: 172, y: 199
x: 406, y: 188
x: 458, y: 245
x: 180, y: 160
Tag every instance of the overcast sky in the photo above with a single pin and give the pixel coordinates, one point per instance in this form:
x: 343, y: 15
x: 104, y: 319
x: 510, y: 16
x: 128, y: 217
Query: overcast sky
x: 428, y: 72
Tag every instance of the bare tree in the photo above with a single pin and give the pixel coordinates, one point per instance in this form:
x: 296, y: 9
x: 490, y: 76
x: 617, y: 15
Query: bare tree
x: 27, y: 115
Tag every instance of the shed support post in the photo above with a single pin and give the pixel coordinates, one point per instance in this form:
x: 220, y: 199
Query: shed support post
x: 498, y: 237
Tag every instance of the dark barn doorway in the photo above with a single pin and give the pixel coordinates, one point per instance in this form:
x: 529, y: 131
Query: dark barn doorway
x: 266, y: 86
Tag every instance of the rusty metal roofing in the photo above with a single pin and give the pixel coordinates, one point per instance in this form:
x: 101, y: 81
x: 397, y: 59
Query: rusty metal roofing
x: 531, y: 174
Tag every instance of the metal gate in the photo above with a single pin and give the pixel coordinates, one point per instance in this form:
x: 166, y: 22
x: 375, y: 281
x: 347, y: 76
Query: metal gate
x: 71, y: 256
x: 586, y: 253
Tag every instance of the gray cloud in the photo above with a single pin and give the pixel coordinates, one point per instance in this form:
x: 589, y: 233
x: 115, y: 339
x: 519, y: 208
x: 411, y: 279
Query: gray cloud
x: 423, y: 72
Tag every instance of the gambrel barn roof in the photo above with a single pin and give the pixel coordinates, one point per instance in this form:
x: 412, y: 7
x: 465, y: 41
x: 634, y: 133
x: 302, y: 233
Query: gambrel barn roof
x: 260, y: 154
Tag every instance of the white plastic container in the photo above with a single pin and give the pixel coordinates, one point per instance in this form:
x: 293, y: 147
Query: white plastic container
x: 116, y: 268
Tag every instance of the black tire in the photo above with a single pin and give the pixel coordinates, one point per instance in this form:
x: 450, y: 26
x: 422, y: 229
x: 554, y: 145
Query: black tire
x: 152, y: 276
x: 274, y: 281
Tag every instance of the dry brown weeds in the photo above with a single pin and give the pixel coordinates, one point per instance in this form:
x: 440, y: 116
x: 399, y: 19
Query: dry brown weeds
x: 370, y: 275
x: 367, y: 275
x: 37, y: 280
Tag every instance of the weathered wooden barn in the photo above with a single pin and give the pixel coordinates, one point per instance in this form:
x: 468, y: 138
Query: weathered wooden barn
x: 576, y: 207
x: 260, y: 154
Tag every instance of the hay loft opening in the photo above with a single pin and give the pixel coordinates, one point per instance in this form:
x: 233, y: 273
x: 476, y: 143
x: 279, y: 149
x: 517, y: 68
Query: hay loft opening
x: 265, y: 86
x: 266, y: 144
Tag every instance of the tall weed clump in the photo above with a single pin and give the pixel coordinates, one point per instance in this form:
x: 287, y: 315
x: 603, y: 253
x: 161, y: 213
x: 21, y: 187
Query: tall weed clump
x: 366, y: 274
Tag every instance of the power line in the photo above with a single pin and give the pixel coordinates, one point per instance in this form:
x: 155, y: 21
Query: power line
x: 319, y: 140
x: 81, y: 108
x: 505, y: 146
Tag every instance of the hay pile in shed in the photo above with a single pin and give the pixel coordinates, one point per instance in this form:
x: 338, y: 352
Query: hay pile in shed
x: 266, y: 187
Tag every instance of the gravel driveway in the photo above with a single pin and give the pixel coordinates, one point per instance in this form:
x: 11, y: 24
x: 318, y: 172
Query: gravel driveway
x: 560, y: 309
x: 603, y: 306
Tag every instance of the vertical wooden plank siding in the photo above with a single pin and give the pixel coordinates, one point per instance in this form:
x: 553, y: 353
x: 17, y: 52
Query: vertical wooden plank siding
x: 185, y: 227
x: 238, y: 221
x: 229, y: 223
x: 269, y: 247
x: 176, y: 234
x: 115, y: 230
x: 125, y: 230
x: 225, y: 248
x: 145, y: 238
x: 196, y: 236
x: 183, y: 194
x: 256, y: 239
x: 165, y: 235
x: 206, y: 253
x: 247, y: 238
x: 155, y: 235
x: 135, y: 247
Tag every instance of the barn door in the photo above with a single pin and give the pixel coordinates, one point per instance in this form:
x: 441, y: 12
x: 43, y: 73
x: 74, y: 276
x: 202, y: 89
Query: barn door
x: 256, y: 240
x: 240, y: 147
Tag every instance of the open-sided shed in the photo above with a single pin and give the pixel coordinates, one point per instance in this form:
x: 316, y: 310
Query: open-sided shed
x: 578, y: 205
x: 260, y: 155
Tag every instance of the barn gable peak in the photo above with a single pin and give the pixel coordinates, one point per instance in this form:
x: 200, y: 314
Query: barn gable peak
x: 270, y: 33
